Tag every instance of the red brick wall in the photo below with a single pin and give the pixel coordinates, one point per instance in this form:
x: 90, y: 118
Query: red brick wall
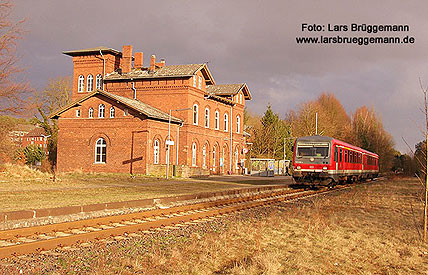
x: 91, y: 64
x: 77, y: 136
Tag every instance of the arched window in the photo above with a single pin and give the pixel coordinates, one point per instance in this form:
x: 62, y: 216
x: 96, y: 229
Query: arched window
x: 156, y: 152
x: 207, y: 118
x: 81, y: 83
x: 101, y: 110
x: 100, y: 151
x: 226, y: 120
x: 214, y: 155
x: 194, y: 154
x: 78, y: 113
x: 217, y: 120
x: 91, y: 112
x: 112, y: 112
x: 204, y: 156
x: 99, y: 82
x: 238, y: 124
x: 90, y: 83
x: 195, y: 114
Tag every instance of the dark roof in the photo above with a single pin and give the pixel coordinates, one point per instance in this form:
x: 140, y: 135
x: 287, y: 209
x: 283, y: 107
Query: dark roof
x: 134, y: 104
x: 229, y: 89
x: 36, y: 132
x: 92, y: 51
x: 187, y: 70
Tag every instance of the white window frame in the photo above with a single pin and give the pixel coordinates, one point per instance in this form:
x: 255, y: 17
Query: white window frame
x: 195, y: 113
x: 101, y: 144
x: 112, y: 111
x: 226, y: 122
x: 217, y: 120
x: 207, y: 118
x: 204, y: 156
x: 98, y: 82
x: 236, y: 158
x: 81, y: 84
x: 194, y: 154
x: 194, y: 81
x: 101, y: 111
x: 77, y: 112
x: 199, y: 82
x: 238, y: 124
x: 214, y: 155
x: 156, y: 151
x: 240, y: 98
x: 91, y: 112
x: 90, y: 83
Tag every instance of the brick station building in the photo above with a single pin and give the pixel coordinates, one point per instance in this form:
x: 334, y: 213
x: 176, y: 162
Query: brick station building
x: 122, y: 112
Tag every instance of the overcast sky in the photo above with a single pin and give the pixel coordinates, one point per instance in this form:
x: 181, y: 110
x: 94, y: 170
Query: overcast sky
x: 252, y: 42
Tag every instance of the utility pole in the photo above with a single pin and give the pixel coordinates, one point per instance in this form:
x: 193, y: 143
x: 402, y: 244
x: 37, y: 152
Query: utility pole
x: 316, y: 124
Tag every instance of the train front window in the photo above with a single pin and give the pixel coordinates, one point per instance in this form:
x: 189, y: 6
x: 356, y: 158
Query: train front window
x: 313, y: 150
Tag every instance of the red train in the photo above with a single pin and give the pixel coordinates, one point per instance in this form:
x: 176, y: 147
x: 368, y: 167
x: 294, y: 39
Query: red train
x: 325, y: 160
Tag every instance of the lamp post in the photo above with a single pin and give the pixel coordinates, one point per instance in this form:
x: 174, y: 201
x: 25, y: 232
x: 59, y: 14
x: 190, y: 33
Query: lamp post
x: 168, y: 142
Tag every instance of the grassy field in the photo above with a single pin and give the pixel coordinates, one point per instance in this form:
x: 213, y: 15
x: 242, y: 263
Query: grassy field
x: 371, y: 229
x: 23, y: 188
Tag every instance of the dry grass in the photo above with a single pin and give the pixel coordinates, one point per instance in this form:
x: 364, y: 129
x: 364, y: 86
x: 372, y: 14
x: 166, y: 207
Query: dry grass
x: 373, y: 229
x: 25, y: 188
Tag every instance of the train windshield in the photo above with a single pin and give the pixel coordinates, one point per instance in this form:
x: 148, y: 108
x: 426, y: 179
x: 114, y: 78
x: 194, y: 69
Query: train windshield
x: 320, y: 150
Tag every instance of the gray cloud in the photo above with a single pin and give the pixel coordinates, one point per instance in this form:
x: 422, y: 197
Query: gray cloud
x: 247, y: 41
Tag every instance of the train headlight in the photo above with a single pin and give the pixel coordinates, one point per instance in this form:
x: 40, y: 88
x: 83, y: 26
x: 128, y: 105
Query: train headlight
x: 298, y: 168
x: 324, y: 168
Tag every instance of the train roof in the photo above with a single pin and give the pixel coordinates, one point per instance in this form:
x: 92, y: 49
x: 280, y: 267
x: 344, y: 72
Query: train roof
x: 329, y: 139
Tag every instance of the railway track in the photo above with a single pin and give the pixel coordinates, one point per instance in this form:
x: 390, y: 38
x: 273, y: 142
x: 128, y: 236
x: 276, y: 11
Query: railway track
x: 41, y: 238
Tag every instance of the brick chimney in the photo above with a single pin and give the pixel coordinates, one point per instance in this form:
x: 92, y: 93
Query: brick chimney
x: 126, y: 58
x: 138, y: 62
x: 153, y: 63
x: 161, y: 64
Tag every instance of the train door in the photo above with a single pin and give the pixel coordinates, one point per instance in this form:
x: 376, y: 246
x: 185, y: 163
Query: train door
x: 341, y: 159
x: 336, y: 157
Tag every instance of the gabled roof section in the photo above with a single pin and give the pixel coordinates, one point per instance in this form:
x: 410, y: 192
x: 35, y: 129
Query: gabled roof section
x: 36, y: 132
x: 95, y: 50
x: 229, y: 89
x: 134, y: 104
x: 188, y: 70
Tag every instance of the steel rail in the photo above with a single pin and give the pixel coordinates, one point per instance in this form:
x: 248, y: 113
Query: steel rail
x: 88, y: 230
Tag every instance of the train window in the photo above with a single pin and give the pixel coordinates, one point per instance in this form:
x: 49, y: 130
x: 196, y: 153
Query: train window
x: 335, y: 154
x: 352, y: 157
x: 340, y: 155
x: 346, y: 155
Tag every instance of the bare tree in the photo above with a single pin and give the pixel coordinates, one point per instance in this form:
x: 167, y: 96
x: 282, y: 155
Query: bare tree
x: 425, y: 92
x: 11, y: 90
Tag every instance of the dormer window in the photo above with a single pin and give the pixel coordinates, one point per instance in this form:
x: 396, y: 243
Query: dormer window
x: 99, y: 82
x: 90, y: 83
x: 240, y: 98
x: 81, y: 83
x: 194, y: 81
x: 200, y: 82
